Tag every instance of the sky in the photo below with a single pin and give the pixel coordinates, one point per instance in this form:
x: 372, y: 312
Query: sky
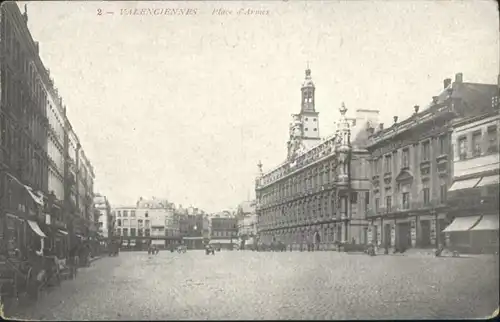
x: 184, y: 107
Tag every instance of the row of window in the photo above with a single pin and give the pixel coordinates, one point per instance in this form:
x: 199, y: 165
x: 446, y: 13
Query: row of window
x: 22, y: 63
x: 224, y: 233
x: 125, y: 213
x: 425, y: 155
x: 480, y: 143
x: 304, y: 181
x: 405, y: 198
x: 133, y: 222
x: 133, y: 232
x: 22, y: 155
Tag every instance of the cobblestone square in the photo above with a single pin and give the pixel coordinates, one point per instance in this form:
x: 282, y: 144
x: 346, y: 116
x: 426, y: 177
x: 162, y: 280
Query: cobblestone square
x: 292, y: 285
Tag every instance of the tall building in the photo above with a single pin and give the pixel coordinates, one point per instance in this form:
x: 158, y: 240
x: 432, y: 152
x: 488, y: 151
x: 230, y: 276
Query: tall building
x: 23, y: 127
x: 322, y: 188
x: 412, y: 167
x: 35, y: 181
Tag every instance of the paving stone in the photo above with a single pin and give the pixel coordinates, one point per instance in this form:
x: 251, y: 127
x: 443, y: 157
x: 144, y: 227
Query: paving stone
x: 291, y: 285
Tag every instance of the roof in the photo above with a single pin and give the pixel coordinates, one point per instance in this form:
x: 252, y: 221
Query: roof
x: 472, y: 99
x: 476, y: 98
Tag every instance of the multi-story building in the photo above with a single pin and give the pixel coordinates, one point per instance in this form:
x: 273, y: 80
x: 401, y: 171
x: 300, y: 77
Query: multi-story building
x: 473, y: 196
x: 224, y: 230
x: 105, y: 219
x: 24, y: 161
x: 191, y: 229
x: 149, y: 221
x: 411, y: 163
x: 322, y: 189
x: 130, y: 225
x: 35, y: 178
x: 247, y: 223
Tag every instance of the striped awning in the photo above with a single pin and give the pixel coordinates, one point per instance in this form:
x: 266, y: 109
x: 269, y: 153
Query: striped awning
x: 34, y: 226
x: 464, y: 184
x: 487, y: 222
x: 489, y: 181
x: 462, y: 224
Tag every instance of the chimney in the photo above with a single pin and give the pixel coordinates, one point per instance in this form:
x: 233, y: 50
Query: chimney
x: 435, y: 99
x: 37, y: 47
x: 381, y: 126
x: 395, y: 119
x: 459, y: 78
x: 447, y: 82
x: 416, y: 107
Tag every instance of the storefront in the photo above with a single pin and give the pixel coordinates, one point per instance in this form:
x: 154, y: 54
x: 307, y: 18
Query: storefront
x: 474, y: 203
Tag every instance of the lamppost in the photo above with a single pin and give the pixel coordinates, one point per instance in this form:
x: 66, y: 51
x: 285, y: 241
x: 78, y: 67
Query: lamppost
x: 195, y: 228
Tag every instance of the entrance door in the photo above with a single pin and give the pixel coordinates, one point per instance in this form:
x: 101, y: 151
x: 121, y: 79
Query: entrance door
x: 387, y: 235
x: 403, y: 235
x: 425, y: 233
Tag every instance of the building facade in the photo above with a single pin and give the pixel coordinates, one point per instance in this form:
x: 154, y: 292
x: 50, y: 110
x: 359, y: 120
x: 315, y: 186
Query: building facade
x: 411, y: 168
x: 105, y: 219
x: 473, y: 197
x: 150, y: 221
x: 191, y: 227
x: 322, y: 190
x: 247, y: 224
x: 34, y: 179
x: 223, y: 231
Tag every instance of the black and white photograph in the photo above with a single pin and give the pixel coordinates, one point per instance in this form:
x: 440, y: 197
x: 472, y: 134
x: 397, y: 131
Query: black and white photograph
x: 249, y: 160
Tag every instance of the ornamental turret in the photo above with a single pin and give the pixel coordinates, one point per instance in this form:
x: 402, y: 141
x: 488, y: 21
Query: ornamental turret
x: 343, y: 146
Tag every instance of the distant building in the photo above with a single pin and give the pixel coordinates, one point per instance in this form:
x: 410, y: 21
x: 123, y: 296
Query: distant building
x: 247, y: 223
x: 224, y: 231
x: 105, y: 219
x: 191, y: 230
x: 150, y: 221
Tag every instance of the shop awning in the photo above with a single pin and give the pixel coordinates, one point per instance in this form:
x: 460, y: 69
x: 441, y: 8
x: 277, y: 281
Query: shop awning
x: 36, y: 197
x: 462, y: 224
x: 62, y: 232
x: 222, y: 241
x: 34, y: 226
x: 488, y: 222
x: 464, y: 184
x: 489, y: 181
x: 192, y: 238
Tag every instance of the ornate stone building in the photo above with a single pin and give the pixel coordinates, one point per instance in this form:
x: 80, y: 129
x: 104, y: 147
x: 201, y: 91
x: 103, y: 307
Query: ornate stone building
x: 411, y: 167
x: 322, y: 189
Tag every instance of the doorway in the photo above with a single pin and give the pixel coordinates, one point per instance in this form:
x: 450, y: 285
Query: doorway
x: 425, y: 233
x: 403, y: 237
x: 387, y: 235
